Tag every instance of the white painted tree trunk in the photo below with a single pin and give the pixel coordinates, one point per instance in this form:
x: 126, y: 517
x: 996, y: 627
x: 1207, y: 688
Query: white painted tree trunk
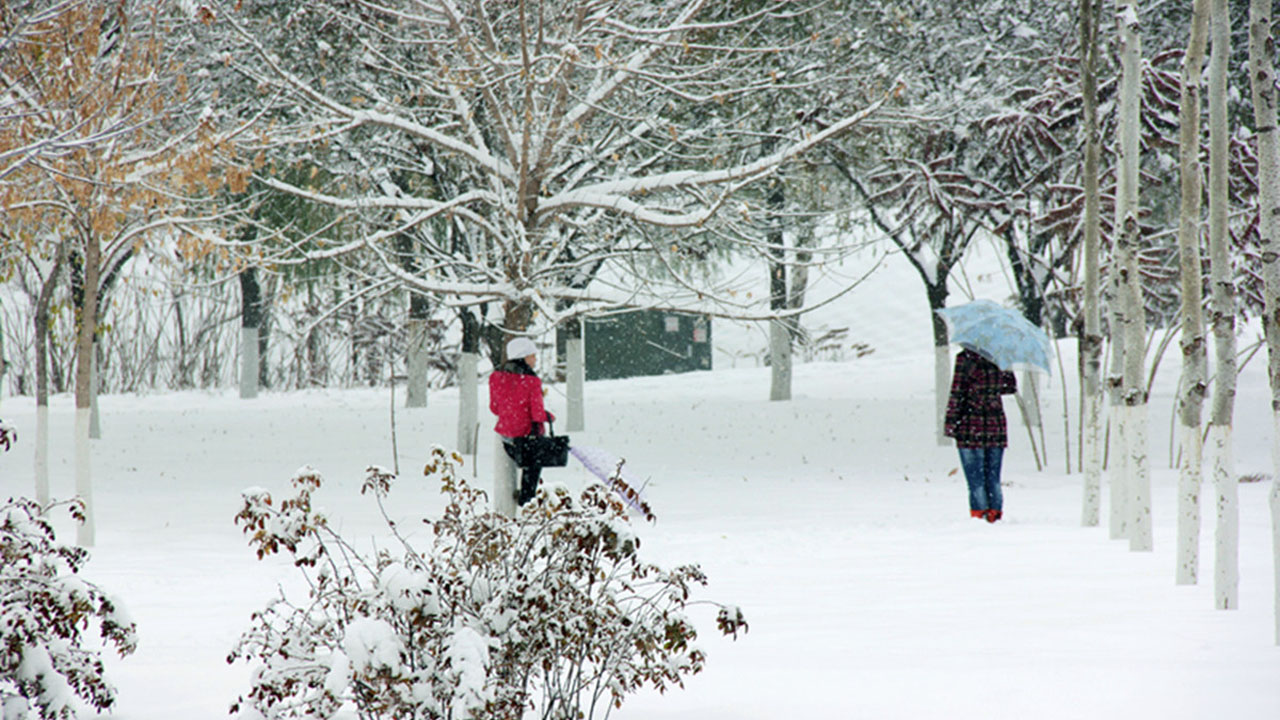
x: 575, y: 382
x: 1189, y: 478
x: 1140, y: 535
x: 504, y: 480
x: 248, y: 362
x: 1132, y: 316
x: 1275, y: 534
x: 1223, y: 308
x: 1118, y: 475
x: 1117, y: 450
x: 1226, y: 573
x: 1091, y: 344
x: 1029, y: 389
x: 416, y: 365
x: 779, y: 360
x: 95, y: 423
x: 84, y: 482
x: 1194, y: 357
x: 42, y: 455
x: 1032, y: 417
x: 941, y: 390
x: 468, y: 401
x: 86, y: 334
x: 1091, y: 510
x: 1275, y: 511
x: 1262, y: 64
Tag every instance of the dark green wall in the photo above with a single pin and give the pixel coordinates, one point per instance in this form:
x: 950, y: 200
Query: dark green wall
x: 643, y: 342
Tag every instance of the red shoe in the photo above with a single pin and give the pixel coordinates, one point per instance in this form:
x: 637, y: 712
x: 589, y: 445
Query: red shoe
x: 977, y: 513
x: 994, y: 515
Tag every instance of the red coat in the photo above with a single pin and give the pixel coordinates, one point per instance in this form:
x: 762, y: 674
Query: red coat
x: 516, y: 398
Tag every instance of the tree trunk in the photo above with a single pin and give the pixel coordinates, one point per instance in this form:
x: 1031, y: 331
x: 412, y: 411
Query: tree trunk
x: 941, y: 360
x: 1275, y: 524
x: 95, y: 385
x: 504, y: 479
x: 779, y: 329
x: 42, y: 375
x: 417, y: 362
x: 1223, y: 304
x: 264, y: 344
x: 1091, y: 343
x: 575, y: 377
x: 250, y: 321
x: 1262, y: 58
x: 3, y: 364
x: 1132, y: 315
x: 85, y: 341
x: 1226, y: 573
x: 516, y: 317
x: 468, y: 392
x: 779, y: 359
x: 1194, y: 357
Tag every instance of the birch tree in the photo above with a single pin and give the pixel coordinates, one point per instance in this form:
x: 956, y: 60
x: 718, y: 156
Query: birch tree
x: 1130, y: 312
x: 1223, y: 312
x: 1262, y: 59
x: 1091, y: 341
x: 1194, y: 380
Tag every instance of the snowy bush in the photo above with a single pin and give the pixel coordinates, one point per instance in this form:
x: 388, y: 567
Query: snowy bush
x: 45, y: 609
x: 551, y: 612
x: 8, y: 434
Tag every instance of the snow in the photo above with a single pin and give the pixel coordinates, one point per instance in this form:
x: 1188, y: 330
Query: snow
x: 1024, y: 31
x: 832, y: 520
x: 468, y: 653
x: 408, y: 589
x: 371, y: 644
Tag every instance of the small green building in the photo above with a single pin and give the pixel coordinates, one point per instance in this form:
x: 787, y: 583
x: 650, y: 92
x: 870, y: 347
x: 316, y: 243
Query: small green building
x: 642, y: 342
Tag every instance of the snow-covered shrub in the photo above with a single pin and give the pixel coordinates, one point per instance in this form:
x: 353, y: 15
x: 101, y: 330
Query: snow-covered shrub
x: 45, y: 611
x: 551, y: 612
x: 8, y: 434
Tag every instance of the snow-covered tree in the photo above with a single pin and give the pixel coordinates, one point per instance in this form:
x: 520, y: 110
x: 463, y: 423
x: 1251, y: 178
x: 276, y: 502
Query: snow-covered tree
x: 938, y: 211
x: 48, y: 665
x: 525, y: 147
x: 980, y: 109
x: 118, y: 88
x: 549, y: 614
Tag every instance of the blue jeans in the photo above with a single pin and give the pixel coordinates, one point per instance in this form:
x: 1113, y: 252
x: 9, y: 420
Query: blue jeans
x: 982, y: 471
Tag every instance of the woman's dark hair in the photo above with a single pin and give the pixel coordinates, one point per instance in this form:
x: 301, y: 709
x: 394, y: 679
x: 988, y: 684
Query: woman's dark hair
x: 518, y: 366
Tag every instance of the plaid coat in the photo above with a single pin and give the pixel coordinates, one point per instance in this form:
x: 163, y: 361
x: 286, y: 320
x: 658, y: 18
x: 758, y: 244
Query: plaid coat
x: 975, y: 414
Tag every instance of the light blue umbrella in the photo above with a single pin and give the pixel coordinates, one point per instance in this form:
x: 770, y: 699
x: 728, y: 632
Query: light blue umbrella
x: 998, y: 334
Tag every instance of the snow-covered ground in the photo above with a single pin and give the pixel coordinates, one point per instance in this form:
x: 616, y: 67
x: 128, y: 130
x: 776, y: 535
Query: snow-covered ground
x: 833, y: 520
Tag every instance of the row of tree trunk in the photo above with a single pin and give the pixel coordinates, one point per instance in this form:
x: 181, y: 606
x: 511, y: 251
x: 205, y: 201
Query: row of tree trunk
x: 1130, y: 481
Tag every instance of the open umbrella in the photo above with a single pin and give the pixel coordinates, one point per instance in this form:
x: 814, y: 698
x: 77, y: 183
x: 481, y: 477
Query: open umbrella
x: 998, y: 334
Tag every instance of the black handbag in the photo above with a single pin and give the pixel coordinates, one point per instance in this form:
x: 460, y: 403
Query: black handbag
x: 548, y: 450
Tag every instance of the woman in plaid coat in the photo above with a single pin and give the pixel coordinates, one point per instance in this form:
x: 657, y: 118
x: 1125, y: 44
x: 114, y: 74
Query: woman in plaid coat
x: 975, y: 418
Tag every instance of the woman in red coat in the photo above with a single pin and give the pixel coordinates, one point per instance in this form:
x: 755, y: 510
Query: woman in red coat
x: 975, y: 418
x: 515, y: 396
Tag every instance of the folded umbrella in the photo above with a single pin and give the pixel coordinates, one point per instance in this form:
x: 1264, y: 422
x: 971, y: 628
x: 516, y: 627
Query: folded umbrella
x: 608, y: 467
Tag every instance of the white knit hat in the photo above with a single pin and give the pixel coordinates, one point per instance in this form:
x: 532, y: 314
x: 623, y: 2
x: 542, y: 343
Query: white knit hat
x: 521, y: 347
